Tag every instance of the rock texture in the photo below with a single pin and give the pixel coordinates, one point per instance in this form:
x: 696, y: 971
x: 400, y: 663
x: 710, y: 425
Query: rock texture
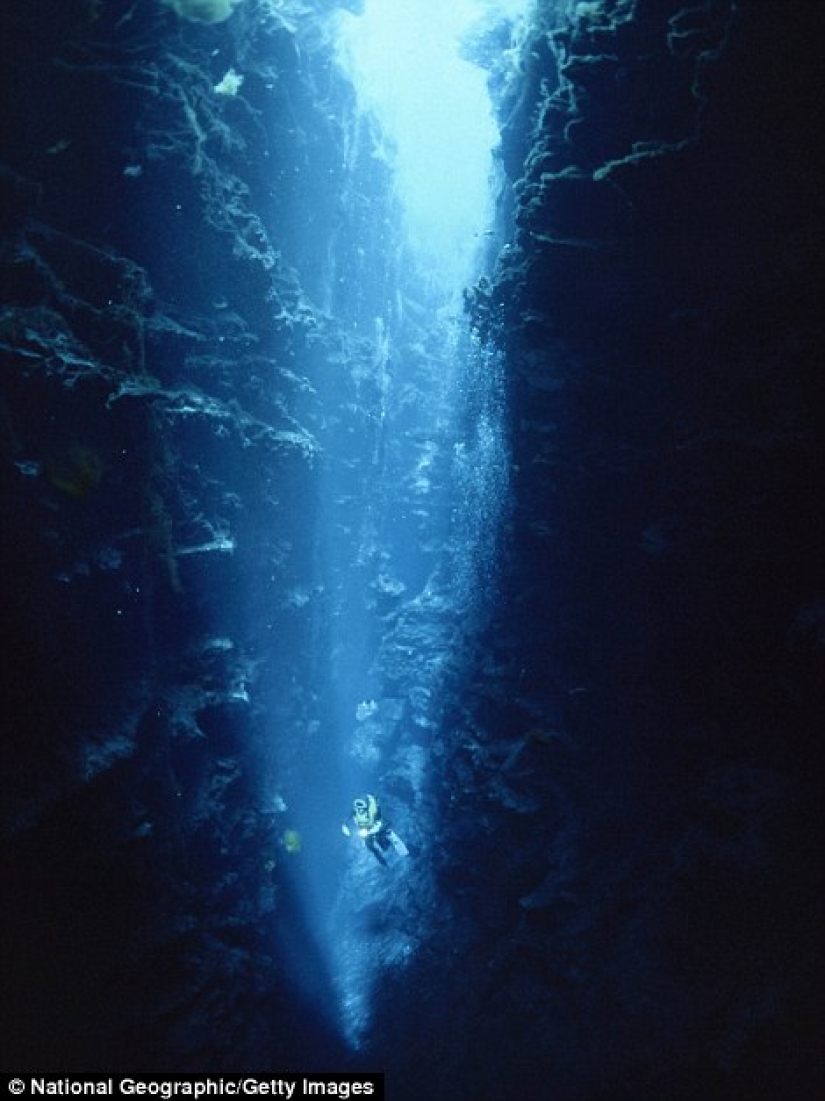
x: 591, y: 696
x: 642, y: 742
x: 171, y: 383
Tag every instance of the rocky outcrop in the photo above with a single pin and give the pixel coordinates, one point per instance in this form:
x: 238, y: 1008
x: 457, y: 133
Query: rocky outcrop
x: 169, y: 374
x: 636, y: 762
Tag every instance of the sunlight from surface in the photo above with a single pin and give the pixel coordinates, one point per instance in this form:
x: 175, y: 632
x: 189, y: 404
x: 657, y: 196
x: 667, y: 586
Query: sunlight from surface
x: 404, y: 57
x: 423, y: 111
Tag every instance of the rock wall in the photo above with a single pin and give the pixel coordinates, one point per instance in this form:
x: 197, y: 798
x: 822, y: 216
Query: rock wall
x: 630, y: 837
x: 174, y: 390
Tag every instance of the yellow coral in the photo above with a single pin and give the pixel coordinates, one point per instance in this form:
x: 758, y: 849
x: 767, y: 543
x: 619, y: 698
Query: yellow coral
x: 76, y: 471
x: 291, y: 841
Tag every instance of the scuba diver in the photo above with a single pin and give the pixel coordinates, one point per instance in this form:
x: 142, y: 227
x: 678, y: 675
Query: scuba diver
x: 377, y: 835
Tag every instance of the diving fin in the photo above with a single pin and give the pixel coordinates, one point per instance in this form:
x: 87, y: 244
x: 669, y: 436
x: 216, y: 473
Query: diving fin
x: 398, y: 844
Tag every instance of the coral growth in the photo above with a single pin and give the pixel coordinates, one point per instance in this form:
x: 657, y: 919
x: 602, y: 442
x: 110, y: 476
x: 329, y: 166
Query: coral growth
x: 203, y: 11
x: 76, y: 471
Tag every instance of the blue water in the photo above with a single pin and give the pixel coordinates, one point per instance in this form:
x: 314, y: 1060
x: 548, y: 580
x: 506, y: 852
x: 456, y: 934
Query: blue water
x: 423, y: 505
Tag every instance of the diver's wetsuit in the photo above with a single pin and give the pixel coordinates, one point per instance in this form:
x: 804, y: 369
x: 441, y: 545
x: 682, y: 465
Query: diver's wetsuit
x: 375, y: 832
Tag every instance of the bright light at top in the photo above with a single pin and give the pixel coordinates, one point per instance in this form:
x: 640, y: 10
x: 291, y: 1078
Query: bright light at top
x: 404, y: 58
